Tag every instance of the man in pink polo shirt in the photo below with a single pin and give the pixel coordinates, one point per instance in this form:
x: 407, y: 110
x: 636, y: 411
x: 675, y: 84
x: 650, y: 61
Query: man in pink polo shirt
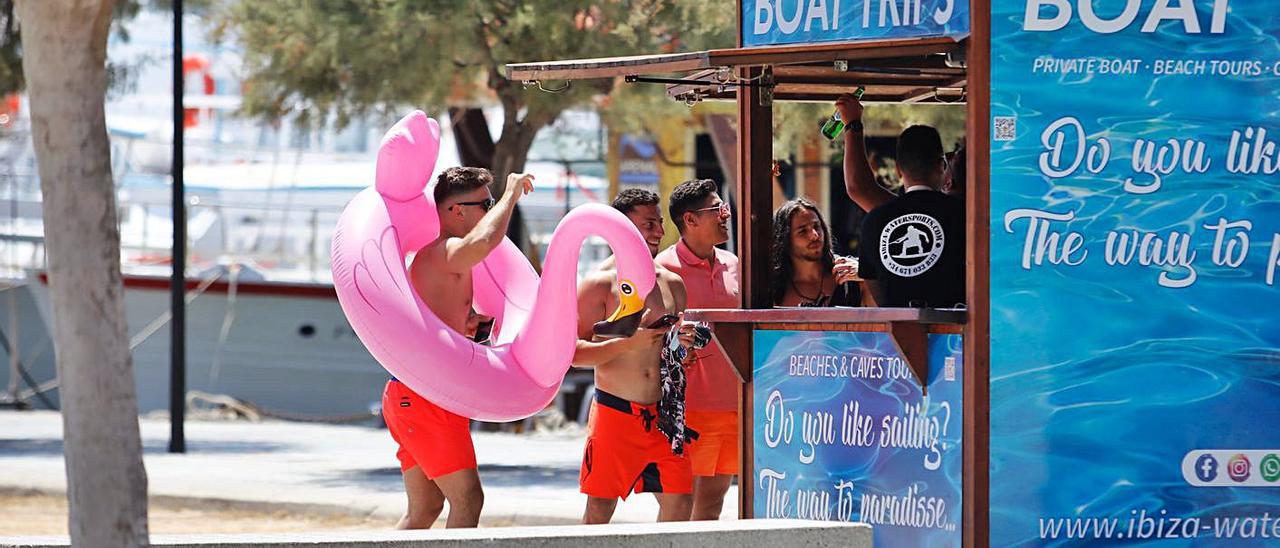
x: 711, y: 281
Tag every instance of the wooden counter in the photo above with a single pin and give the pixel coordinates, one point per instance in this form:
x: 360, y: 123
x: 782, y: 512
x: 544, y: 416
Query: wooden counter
x: 909, y: 328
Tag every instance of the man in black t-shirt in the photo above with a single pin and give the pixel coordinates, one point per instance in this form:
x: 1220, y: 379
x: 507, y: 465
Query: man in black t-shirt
x: 912, y: 248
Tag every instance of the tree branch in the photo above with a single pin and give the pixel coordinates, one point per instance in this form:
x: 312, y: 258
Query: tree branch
x: 496, y: 80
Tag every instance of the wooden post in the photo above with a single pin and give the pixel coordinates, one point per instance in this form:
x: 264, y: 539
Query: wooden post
x: 755, y: 194
x: 977, y: 342
x: 754, y: 217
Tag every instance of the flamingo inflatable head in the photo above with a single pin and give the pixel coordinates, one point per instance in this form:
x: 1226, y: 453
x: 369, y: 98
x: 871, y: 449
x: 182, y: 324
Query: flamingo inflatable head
x: 535, y: 320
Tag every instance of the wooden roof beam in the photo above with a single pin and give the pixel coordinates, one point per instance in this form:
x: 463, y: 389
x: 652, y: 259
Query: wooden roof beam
x: 611, y: 67
x: 924, y: 94
x: 790, y: 55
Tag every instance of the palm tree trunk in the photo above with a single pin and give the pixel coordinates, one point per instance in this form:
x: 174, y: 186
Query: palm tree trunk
x: 64, y: 46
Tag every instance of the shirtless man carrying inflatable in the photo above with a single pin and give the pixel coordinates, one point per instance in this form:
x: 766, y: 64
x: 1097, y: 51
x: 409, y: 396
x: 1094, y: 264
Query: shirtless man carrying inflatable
x: 625, y: 450
x: 436, y: 454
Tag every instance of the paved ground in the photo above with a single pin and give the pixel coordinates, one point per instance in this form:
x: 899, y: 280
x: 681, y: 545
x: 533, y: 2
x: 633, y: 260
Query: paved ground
x: 30, y: 513
x: 529, y: 479
x: 704, y: 534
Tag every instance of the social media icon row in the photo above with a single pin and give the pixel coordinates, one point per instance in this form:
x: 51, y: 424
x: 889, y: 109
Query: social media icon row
x: 1231, y: 468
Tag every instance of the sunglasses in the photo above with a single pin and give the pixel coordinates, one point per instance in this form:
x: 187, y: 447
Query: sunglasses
x: 484, y: 204
x: 722, y: 209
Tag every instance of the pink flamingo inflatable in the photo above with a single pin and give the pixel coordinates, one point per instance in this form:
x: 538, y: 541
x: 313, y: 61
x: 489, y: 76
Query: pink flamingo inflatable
x: 536, y: 321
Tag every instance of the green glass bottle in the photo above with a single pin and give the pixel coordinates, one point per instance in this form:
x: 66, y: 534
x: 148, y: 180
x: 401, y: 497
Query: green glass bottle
x: 834, y: 126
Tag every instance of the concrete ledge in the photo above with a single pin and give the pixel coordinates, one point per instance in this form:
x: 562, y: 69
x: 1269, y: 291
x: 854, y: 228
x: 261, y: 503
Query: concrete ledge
x: 706, y: 534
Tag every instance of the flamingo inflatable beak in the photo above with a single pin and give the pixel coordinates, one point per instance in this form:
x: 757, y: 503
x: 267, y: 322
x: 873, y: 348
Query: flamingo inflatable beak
x: 626, y: 319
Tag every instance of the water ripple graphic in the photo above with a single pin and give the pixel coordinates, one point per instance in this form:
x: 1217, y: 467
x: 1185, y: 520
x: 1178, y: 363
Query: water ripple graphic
x: 1102, y: 379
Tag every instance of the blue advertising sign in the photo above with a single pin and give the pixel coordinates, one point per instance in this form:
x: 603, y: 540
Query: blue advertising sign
x: 1135, y: 233
x: 842, y: 433
x: 778, y: 22
x: 637, y: 162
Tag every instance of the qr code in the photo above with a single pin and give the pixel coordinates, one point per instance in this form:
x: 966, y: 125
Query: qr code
x: 1006, y: 128
x: 949, y: 368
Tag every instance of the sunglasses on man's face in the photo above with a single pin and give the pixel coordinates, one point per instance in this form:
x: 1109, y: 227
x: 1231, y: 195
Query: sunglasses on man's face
x: 485, y: 204
x: 722, y: 209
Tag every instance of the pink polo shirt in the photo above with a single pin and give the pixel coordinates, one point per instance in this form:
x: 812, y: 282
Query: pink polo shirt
x: 713, y: 385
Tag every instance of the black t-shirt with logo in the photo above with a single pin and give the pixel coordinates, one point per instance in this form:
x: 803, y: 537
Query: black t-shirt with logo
x: 914, y: 246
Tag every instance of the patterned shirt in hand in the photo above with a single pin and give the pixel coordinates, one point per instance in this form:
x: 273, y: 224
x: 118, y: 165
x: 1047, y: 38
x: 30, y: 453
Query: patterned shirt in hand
x: 671, y: 407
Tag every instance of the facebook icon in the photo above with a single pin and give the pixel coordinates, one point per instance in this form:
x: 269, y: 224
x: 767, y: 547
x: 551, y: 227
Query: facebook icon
x: 1206, y: 468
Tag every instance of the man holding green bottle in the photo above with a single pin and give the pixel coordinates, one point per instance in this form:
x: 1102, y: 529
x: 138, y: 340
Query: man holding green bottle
x: 859, y: 180
x: 911, y: 247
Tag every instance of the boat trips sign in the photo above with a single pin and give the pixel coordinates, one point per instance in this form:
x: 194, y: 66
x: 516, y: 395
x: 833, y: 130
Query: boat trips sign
x: 779, y: 22
x: 842, y: 432
x: 1135, y: 271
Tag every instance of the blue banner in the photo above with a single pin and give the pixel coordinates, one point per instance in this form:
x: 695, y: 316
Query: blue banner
x: 1135, y: 232
x: 778, y: 22
x: 842, y: 433
x: 637, y: 162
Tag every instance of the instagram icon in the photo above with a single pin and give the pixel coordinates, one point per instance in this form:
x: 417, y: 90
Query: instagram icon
x: 1238, y: 467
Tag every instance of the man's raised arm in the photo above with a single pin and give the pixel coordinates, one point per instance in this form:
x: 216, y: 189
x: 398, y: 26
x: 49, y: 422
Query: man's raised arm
x: 463, y: 253
x: 859, y: 180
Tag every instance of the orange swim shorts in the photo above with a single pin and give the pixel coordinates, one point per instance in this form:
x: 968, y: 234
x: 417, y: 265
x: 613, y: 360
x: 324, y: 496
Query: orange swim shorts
x: 429, y: 436
x: 625, y: 452
x: 716, y: 451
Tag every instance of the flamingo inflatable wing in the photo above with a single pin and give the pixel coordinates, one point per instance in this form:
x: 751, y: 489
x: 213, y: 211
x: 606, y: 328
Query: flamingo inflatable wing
x: 536, y: 320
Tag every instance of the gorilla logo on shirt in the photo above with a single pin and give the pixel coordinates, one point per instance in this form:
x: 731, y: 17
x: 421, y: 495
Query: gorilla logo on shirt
x: 911, y: 244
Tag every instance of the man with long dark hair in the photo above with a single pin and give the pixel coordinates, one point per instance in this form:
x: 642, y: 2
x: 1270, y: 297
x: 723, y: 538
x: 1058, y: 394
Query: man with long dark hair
x: 803, y: 271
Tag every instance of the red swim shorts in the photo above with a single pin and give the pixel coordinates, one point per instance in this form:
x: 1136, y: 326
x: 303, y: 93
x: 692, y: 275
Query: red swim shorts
x: 429, y: 436
x: 626, y: 452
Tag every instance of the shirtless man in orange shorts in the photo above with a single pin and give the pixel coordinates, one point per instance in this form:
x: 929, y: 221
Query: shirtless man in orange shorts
x: 436, y: 455
x: 625, y: 450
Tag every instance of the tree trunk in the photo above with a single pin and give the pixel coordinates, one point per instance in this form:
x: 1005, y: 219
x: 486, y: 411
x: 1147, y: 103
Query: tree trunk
x: 471, y: 133
x: 508, y: 156
x: 64, y: 45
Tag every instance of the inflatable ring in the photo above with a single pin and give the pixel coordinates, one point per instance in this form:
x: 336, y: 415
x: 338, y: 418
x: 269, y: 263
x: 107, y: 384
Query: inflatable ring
x: 535, y: 320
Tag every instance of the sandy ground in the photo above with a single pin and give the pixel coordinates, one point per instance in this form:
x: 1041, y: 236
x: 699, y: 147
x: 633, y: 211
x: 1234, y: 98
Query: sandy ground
x: 34, y: 513
x: 285, y: 477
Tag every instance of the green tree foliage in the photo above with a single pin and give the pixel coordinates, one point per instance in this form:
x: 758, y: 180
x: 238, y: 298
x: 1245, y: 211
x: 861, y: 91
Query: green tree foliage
x: 11, y: 80
x: 10, y: 50
x: 346, y: 58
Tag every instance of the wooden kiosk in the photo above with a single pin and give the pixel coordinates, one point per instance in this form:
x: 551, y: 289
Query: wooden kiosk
x: 1120, y: 391
x: 899, y: 70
